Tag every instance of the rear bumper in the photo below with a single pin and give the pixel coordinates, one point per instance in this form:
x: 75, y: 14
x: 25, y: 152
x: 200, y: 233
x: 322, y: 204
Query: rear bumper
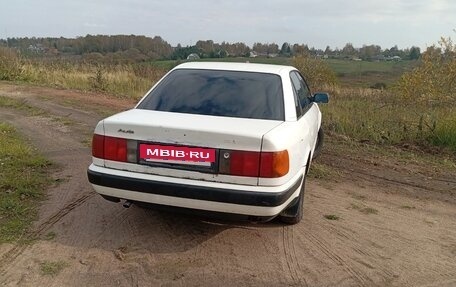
x: 193, y: 194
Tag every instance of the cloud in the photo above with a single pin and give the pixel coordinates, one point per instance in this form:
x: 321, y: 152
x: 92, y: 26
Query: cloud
x: 94, y: 25
x: 317, y: 23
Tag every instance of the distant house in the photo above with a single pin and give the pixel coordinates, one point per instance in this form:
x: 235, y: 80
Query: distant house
x: 193, y: 56
x: 394, y: 58
x: 38, y: 48
x: 253, y: 54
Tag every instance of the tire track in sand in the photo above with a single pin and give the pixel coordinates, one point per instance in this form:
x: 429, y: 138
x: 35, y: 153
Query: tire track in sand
x: 291, y: 258
x: 17, y: 250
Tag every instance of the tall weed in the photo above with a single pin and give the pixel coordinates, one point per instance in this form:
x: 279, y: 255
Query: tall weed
x: 430, y: 90
x: 317, y: 73
x: 11, y: 67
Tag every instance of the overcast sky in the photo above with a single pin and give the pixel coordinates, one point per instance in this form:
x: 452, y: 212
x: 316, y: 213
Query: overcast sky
x: 316, y: 23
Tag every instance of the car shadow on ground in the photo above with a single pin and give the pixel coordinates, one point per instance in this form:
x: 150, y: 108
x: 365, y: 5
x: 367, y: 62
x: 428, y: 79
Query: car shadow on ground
x: 112, y: 227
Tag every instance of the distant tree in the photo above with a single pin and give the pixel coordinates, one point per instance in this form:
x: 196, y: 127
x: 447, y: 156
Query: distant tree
x: 181, y: 53
x: 394, y: 51
x: 300, y: 50
x: 207, y: 49
x: 102, y: 44
x: 260, y: 48
x: 273, y: 48
x: 285, y: 50
x: 348, y: 50
x: 328, y: 50
x: 235, y: 49
x: 135, y: 55
x: 414, y: 53
x: 368, y: 52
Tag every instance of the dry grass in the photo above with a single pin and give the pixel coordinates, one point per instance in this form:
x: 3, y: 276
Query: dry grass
x: 118, y: 80
x: 367, y: 115
x: 380, y: 116
x: 128, y: 80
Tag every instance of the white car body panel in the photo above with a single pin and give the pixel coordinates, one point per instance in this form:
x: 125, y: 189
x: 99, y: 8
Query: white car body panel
x: 193, y: 203
x: 198, y: 204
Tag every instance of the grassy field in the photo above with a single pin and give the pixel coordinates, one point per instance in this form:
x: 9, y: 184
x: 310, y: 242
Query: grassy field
x: 356, y: 111
x: 350, y: 73
x: 367, y: 74
x: 128, y: 81
x: 380, y: 117
x: 23, y: 177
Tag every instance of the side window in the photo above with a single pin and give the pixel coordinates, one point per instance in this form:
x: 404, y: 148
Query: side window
x: 296, y: 86
x: 302, y: 91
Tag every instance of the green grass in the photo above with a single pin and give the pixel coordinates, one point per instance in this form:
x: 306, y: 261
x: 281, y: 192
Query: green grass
x: 379, y: 117
x: 359, y: 67
x: 50, y: 235
x: 331, y: 217
x: 350, y: 73
x: 445, y: 130
x: 320, y: 171
x: 23, y: 177
x: 20, y: 104
x: 366, y: 74
x: 52, y: 268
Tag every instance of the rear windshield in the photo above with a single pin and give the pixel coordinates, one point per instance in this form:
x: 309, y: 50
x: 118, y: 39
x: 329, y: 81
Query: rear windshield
x: 218, y: 93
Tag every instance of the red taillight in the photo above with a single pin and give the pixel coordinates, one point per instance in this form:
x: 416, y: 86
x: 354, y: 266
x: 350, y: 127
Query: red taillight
x: 111, y: 148
x: 274, y: 164
x: 115, y: 149
x: 254, y: 164
x: 244, y: 163
x: 98, y: 146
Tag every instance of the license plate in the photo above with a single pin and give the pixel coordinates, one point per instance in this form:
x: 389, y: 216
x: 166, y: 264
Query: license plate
x: 176, y: 154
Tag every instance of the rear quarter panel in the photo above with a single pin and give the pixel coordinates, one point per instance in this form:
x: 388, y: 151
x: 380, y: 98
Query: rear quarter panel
x: 298, y: 138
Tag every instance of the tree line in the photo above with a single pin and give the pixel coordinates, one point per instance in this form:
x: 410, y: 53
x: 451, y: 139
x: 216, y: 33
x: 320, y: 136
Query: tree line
x: 142, y: 48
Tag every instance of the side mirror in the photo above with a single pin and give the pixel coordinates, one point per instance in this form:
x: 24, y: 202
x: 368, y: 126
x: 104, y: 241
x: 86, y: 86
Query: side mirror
x: 320, y: 98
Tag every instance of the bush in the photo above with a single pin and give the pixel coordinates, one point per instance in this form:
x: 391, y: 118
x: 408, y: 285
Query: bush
x: 98, y: 80
x: 378, y: 86
x: 317, y: 73
x: 11, y: 66
x: 431, y: 89
x: 434, y: 80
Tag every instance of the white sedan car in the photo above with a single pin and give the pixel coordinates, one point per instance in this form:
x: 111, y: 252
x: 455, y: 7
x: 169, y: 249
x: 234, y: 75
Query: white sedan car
x: 223, y: 138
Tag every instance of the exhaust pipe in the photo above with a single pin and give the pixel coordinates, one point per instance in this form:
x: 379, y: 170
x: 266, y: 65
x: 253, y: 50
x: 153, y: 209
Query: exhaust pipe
x: 127, y: 204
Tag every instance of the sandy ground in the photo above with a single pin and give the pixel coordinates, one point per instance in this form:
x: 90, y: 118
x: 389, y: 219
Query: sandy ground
x: 397, y: 223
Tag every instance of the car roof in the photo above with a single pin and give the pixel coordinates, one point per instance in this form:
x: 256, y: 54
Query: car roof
x: 229, y: 66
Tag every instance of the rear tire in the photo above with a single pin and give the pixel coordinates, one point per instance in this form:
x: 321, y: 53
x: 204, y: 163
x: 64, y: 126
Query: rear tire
x: 293, y: 213
x: 319, y: 144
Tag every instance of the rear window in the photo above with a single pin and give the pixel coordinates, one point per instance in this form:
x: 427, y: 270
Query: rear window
x: 218, y: 93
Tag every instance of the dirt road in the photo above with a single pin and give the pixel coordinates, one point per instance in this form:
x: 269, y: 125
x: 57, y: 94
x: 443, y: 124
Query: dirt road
x: 396, y: 226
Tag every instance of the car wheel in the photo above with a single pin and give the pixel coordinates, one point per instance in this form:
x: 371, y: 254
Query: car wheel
x: 293, y: 213
x: 319, y: 144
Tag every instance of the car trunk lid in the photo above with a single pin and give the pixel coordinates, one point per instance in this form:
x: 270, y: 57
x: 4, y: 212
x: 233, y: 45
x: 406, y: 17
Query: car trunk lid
x: 186, y: 133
